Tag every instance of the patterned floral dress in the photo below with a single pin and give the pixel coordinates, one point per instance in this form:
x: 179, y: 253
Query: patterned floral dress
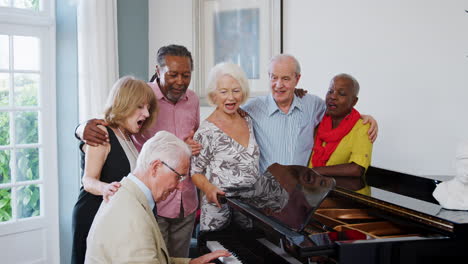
x: 227, y: 165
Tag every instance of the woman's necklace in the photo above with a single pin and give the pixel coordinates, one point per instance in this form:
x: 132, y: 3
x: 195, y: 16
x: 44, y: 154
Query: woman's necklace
x: 129, y: 145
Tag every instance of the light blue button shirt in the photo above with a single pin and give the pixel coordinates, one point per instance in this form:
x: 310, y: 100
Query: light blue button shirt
x: 144, y: 189
x: 285, y: 138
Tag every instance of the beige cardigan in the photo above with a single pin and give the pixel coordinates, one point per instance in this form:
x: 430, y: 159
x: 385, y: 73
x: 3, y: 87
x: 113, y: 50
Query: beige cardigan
x: 125, y: 231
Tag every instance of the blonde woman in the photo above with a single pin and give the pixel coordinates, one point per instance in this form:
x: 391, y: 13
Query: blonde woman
x: 131, y: 107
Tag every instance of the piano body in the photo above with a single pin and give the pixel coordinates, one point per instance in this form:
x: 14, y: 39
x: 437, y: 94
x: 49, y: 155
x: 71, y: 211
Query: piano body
x: 399, y: 222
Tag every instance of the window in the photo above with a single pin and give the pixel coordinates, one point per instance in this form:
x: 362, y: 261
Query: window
x: 23, y: 4
x: 28, y: 166
x: 20, y: 74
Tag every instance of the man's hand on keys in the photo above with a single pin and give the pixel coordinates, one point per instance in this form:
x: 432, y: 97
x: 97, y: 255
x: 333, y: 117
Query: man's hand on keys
x: 207, y: 258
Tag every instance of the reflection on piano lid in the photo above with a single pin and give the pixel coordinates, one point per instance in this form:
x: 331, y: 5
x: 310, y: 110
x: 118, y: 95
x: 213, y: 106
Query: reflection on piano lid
x: 306, y: 188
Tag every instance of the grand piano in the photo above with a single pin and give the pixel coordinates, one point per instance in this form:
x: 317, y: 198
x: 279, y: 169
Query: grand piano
x: 399, y: 222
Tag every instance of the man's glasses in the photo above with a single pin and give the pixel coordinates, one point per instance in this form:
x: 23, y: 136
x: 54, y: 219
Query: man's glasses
x: 180, y: 177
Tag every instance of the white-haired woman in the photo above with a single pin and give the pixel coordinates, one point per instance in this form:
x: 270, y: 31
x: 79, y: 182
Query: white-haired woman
x: 229, y: 158
x: 131, y: 107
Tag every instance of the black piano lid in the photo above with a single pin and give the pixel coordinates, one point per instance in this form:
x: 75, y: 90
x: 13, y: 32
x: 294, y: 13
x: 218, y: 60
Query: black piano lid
x: 447, y: 230
x: 306, y: 246
x: 298, y: 243
x: 410, y: 197
x: 452, y: 223
x: 415, y: 192
x: 453, y: 216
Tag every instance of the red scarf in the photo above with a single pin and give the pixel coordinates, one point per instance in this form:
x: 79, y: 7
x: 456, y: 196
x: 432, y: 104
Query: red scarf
x: 332, y: 137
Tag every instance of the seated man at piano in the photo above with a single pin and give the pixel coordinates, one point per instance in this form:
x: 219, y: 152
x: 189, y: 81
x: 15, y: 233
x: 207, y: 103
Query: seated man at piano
x: 342, y: 148
x: 125, y: 229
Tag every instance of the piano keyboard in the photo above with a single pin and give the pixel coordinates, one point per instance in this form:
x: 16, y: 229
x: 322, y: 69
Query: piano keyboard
x: 215, y: 245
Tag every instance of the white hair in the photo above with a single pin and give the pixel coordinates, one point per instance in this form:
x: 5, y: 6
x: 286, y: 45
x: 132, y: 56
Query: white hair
x: 283, y: 57
x: 162, y: 146
x: 230, y: 69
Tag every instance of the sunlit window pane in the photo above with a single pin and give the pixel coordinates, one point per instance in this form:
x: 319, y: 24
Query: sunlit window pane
x: 27, y: 4
x: 4, y: 128
x: 4, y: 89
x: 4, y: 51
x: 27, y: 164
x: 26, y: 129
x: 5, y: 204
x: 28, y: 201
x: 4, y: 2
x: 26, y: 53
x: 26, y: 87
x: 4, y: 167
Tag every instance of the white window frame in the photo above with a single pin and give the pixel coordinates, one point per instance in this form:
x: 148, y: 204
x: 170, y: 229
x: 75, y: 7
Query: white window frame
x: 41, y: 24
x: 44, y: 17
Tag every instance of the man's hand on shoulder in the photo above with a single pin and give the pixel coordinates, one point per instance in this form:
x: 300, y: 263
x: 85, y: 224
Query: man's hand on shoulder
x: 373, y: 129
x: 241, y: 112
x: 93, y: 135
x: 299, y: 92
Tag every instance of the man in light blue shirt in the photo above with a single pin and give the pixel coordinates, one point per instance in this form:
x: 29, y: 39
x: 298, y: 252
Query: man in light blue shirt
x: 284, y: 123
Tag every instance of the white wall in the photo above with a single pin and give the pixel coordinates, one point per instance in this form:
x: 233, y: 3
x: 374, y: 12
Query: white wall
x: 170, y: 22
x: 409, y: 56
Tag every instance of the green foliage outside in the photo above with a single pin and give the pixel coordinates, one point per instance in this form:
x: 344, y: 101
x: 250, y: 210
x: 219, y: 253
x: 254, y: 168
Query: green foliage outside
x: 27, y: 164
x: 26, y: 89
x: 28, y: 4
x: 28, y: 201
x: 5, y: 205
x: 4, y: 128
x: 4, y: 87
x: 35, y: 4
x: 4, y: 166
x: 26, y: 127
x: 27, y: 160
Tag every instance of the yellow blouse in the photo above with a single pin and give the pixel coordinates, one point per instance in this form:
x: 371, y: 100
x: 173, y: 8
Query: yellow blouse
x: 354, y: 147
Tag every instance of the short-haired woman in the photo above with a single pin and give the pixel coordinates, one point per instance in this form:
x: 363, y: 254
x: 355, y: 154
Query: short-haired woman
x: 130, y: 108
x: 230, y: 155
x: 342, y: 148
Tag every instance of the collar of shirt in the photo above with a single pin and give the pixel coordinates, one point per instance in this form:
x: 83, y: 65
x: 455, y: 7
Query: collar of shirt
x: 160, y: 95
x: 143, y: 188
x: 273, y: 107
